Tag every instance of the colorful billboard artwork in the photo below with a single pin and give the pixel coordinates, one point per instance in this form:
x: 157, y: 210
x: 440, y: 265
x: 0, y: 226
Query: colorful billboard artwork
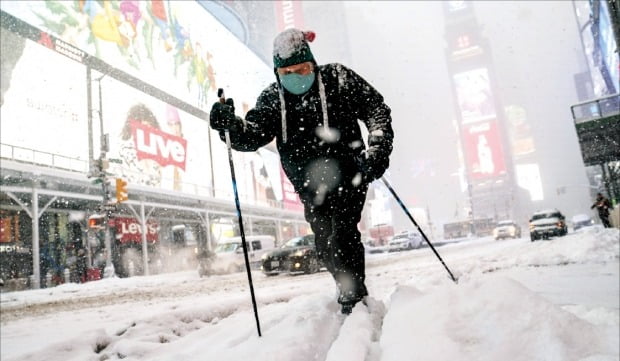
x: 483, y: 150
x: 519, y: 131
x: 152, y: 143
x: 176, y: 46
x: 475, y: 99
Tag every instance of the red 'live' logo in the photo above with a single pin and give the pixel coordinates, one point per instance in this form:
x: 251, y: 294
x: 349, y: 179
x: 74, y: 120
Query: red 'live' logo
x: 164, y: 148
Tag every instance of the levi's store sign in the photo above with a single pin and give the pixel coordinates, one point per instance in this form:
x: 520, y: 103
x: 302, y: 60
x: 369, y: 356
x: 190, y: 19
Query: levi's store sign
x: 129, y: 230
x: 164, y: 148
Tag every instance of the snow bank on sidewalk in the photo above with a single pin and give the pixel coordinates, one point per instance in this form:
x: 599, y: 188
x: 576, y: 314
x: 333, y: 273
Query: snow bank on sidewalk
x: 496, y: 319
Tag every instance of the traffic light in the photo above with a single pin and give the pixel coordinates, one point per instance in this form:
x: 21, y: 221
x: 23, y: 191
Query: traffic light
x: 121, y: 190
x: 96, y: 221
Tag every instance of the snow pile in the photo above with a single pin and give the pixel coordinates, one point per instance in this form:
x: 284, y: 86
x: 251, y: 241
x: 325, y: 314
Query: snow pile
x: 515, y: 300
x: 498, y: 319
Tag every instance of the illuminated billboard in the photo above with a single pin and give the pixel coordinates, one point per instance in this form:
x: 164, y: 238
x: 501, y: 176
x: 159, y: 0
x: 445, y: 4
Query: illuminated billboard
x: 475, y: 99
x: 605, y: 51
x: 176, y: 46
x: 528, y: 177
x: 289, y: 14
x: 151, y: 142
x: 483, y: 150
x: 45, y: 110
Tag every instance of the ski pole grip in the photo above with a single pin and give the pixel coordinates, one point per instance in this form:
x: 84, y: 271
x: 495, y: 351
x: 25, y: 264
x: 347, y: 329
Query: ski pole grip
x: 220, y: 94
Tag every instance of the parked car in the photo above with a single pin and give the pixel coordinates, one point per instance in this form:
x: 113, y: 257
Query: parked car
x: 404, y: 241
x: 229, y: 256
x: 297, y: 255
x: 581, y: 220
x: 546, y: 223
x: 506, y: 229
x: 373, y: 246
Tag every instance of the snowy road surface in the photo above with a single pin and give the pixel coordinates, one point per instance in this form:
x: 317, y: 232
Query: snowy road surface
x: 516, y: 300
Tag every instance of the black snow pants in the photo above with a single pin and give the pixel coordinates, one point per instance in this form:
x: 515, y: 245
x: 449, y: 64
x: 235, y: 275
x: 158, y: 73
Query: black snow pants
x: 338, y: 242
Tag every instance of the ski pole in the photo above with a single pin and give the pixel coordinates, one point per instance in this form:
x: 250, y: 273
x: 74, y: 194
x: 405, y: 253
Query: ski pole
x: 220, y: 94
x: 402, y: 205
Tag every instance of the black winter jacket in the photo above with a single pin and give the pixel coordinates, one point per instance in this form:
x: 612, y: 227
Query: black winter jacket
x: 349, y: 98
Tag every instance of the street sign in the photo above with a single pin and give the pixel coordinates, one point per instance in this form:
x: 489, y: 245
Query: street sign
x: 598, y: 129
x: 107, y: 208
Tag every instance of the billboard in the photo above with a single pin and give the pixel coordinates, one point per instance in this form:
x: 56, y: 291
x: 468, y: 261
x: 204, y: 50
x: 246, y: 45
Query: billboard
x: 483, y: 150
x: 289, y: 14
x: 605, y: 51
x: 290, y: 198
x: 475, y: 99
x: 44, y: 108
x: 528, y: 177
x: 176, y: 46
x: 153, y: 143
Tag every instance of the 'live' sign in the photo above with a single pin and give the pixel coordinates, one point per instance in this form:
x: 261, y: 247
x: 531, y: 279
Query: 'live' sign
x: 152, y: 143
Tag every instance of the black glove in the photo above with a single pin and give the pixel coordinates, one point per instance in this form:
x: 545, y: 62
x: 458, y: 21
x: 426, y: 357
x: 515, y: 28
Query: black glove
x: 223, y: 117
x: 370, y: 167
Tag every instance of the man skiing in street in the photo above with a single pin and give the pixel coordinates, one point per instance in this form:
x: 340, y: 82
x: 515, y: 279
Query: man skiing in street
x: 312, y: 111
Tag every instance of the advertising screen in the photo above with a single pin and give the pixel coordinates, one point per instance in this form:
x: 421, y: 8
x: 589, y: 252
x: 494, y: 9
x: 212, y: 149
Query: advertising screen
x: 44, y: 109
x: 176, y: 46
x: 290, y: 199
x: 483, y: 150
x: 607, y: 46
x: 289, y: 14
x: 528, y: 177
x: 475, y: 99
x: 153, y: 143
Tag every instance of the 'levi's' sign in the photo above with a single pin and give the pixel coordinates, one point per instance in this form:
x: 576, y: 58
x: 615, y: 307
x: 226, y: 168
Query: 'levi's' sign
x: 152, y: 143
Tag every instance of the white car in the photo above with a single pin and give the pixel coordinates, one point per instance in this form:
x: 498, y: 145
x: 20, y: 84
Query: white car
x: 229, y: 255
x: 404, y: 241
x: 581, y: 220
x: 506, y: 229
x: 547, y: 223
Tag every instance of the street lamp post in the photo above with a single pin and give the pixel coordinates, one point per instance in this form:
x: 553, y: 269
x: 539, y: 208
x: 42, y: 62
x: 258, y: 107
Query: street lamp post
x: 104, y: 149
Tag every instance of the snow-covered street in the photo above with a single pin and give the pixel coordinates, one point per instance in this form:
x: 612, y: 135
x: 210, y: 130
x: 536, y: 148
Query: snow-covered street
x: 515, y: 300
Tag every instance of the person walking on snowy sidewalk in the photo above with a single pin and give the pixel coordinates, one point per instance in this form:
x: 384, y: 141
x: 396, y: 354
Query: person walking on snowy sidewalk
x: 602, y: 205
x: 312, y: 111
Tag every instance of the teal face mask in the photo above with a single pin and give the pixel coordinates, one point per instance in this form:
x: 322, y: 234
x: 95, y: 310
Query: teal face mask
x: 297, y: 84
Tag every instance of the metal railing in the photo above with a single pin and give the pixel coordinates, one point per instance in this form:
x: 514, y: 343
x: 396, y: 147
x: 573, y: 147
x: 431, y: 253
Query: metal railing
x: 596, y: 108
x: 56, y: 161
x: 45, y: 159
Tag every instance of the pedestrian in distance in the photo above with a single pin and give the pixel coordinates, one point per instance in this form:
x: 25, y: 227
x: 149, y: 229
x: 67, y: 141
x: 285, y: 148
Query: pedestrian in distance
x: 312, y: 111
x: 602, y: 205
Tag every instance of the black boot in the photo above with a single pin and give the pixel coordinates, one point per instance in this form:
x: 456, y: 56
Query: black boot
x: 347, y: 307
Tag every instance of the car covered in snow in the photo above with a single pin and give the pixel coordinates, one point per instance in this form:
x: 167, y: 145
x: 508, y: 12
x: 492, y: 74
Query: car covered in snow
x: 547, y: 223
x: 229, y: 257
x: 581, y: 221
x: 298, y: 255
x: 506, y: 229
x: 405, y: 240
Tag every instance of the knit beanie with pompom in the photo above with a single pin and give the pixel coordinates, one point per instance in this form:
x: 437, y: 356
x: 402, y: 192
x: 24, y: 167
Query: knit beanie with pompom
x: 291, y: 47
